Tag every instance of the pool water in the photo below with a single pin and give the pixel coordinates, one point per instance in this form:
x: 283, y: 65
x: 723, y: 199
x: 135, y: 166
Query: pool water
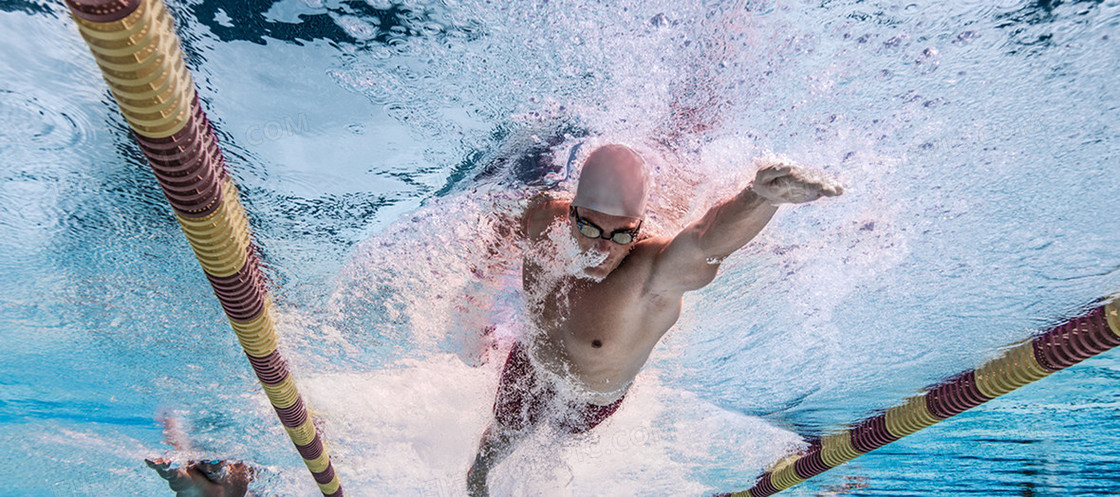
x: 376, y: 143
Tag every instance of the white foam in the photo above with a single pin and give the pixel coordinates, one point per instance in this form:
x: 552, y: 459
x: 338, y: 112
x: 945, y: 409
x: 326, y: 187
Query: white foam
x: 413, y: 430
x: 563, y: 256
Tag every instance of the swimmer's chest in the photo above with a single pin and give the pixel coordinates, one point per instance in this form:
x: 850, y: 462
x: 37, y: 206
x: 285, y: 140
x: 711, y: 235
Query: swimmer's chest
x: 602, y: 317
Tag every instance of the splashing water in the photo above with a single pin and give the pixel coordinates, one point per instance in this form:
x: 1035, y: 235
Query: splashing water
x: 568, y: 259
x: 977, y: 144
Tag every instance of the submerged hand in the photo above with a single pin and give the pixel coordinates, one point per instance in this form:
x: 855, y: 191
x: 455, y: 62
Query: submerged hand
x: 205, y: 479
x: 785, y: 183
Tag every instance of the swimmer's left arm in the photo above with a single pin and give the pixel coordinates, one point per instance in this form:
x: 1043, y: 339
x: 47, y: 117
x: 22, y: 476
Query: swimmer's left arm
x: 534, y: 212
x: 498, y: 228
x: 691, y: 259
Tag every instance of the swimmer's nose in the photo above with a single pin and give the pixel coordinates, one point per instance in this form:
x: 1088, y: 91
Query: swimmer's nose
x: 603, y: 246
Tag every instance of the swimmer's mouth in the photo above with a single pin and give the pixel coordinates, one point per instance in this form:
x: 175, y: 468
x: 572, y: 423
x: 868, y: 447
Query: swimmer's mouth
x: 600, y: 265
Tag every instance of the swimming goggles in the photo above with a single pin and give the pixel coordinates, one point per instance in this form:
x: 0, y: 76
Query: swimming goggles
x: 624, y: 236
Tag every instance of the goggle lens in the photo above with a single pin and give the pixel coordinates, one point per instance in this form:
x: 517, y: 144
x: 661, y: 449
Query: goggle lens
x: 588, y: 230
x: 622, y: 238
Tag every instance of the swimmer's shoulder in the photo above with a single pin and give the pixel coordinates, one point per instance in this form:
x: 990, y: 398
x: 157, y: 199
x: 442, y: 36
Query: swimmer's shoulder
x: 649, y: 248
x: 541, y: 212
x: 643, y: 260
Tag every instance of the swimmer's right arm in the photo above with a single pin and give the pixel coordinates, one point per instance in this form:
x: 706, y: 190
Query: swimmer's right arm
x: 691, y: 259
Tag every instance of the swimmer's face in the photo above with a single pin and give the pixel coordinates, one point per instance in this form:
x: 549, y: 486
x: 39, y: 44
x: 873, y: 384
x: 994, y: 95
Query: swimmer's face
x: 607, y: 224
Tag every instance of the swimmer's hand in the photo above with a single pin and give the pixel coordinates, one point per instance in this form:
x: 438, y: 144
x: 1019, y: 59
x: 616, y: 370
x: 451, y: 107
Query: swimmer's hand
x: 205, y: 478
x: 781, y: 182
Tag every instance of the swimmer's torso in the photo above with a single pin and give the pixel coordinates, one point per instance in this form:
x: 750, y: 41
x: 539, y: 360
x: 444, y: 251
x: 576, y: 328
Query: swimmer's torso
x: 595, y: 335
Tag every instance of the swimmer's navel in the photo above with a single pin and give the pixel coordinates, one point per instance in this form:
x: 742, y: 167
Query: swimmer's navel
x: 596, y: 343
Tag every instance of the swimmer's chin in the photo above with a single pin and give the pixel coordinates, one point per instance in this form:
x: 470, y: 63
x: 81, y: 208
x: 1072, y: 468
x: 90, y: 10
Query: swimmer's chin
x: 595, y: 273
x: 588, y: 274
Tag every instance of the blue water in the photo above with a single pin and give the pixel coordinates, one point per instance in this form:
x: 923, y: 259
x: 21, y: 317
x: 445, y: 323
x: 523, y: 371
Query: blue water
x: 978, y: 142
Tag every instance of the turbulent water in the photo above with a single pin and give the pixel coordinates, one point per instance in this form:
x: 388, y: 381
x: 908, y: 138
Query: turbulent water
x: 378, y: 145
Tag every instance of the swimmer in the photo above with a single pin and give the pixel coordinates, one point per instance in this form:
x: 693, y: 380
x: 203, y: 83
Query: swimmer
x: 598, y: 327
x: 213, y: 478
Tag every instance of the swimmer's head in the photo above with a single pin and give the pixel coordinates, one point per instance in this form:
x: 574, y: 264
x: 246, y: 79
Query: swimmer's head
x: 613, y: 181
x: 611, y: 197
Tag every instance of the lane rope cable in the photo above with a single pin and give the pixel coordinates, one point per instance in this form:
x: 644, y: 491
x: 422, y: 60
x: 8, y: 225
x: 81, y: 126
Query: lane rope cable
x: 1029, y: 361
x: 135, y: 45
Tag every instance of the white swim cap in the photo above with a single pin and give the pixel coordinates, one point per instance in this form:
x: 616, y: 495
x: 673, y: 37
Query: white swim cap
x: 613, y: 181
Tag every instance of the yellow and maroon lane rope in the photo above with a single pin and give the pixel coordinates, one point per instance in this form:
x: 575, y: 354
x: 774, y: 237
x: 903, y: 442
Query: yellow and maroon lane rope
x: 1057, y: 349
x: 136, y: 47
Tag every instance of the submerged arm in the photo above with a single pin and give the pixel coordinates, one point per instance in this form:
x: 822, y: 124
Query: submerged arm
x: 538, y: 215
x: 690, y: 260
x: 496, y: 252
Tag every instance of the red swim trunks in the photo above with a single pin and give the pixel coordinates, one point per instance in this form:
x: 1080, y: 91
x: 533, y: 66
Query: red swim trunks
x: 522, y: 399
